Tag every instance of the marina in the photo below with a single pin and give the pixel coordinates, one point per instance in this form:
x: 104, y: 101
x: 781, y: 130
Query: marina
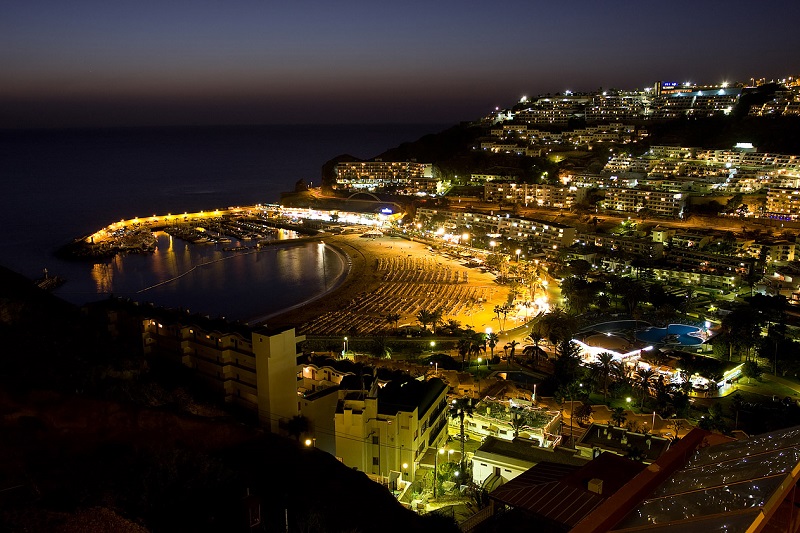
x: 249, y: 228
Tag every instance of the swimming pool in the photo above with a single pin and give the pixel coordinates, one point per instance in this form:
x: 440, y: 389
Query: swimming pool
x: 677, y: 334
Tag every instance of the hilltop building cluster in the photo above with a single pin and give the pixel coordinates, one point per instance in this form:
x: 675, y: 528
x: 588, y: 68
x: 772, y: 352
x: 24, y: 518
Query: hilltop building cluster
x: 394, y: 429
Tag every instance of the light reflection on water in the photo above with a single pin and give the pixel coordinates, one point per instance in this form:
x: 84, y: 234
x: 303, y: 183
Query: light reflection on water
x: 209, y: 280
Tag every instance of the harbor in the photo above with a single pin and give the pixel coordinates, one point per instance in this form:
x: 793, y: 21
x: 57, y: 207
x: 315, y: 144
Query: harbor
x: 240, y: 228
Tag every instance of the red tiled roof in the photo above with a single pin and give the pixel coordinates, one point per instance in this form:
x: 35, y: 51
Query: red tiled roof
x: 556, y: 492
x: 555, y: 501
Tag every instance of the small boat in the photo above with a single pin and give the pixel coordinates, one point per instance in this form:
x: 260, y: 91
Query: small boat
x: 48, y: 282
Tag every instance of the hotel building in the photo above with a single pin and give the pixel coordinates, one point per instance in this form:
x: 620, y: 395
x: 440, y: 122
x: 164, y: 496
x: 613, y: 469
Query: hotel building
x: 374, y: 175
x: 391, y: 425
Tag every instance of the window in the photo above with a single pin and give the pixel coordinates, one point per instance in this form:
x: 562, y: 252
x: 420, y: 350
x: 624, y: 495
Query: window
x: 375, y: 461
x: 376, y: 439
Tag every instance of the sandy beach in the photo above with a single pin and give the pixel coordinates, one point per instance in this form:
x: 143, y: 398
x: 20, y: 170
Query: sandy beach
x: 397, y: 276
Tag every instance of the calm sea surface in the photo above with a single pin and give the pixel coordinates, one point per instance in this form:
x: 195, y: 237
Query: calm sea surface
x: 60, y: 184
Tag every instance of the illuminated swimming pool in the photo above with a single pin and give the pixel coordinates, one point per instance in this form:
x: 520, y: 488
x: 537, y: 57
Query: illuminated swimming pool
x: 677, y: 334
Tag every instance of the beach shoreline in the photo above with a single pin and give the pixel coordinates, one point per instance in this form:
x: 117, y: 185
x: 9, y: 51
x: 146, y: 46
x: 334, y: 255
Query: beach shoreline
x: 365, y: 279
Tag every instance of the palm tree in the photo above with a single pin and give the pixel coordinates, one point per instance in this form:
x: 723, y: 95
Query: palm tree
x: 393, y: 318
x: 557, y: 325
x: 645, y: 377
x: 464, y: 349
x: 426, y: 317
x: 511, y: 345
x: 618, y: 416
x: 571, y: 392
x: 476, y: 347
x: 492, y: 339
x: 604, y: 365
x: 470, y: 345
x: 567, y: 366
x: 461, y: 408
x: 535, y: 337
x: 436, y: 318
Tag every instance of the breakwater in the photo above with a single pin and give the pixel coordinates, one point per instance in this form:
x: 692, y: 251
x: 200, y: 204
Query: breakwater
x: 248, y: 227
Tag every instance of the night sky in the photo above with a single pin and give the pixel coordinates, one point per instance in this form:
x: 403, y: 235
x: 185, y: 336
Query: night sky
x: 119, y: 62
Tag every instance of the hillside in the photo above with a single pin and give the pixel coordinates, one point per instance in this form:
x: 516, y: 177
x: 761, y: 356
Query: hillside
x: 94, y: 438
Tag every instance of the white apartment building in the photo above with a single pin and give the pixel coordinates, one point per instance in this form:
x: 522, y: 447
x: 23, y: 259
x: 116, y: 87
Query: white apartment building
x: 689, y: 277
x: 379, y: 431
x: 602, y: 181
x: 750, y: 159
x: 783, y: 203
x: 253, y: 368
x: 673, y: 152
x: 374, y: 175
x: 535, y: 194
x: 774, y: 252
x: 660, y: 203
x: 632, y: 246
x: 687, y: 241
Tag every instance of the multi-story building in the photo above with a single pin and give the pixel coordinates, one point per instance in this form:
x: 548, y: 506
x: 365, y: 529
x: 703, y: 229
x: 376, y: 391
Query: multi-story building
x: 747, y: 156
x: 550, y: 236
x: 783, y: 203
x: 255, y: 368
x: 672, y: 152
x: 691, y: 277
x: 380, y: 431
x: 626, y: 163
x: 781, y: 251
x: 703, y: 103
x: 660, y: 203
x: 375, y: 175
x: 681, y: 239
x: 536, y: 194
x: 556, y: 111
x: 707, y: 262
x: 631, y: 246
x: 786, y: 102
x: 617, y: 106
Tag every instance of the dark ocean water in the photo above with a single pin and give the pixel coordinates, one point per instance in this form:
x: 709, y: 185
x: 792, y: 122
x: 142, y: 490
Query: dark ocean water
x: 60, y: 184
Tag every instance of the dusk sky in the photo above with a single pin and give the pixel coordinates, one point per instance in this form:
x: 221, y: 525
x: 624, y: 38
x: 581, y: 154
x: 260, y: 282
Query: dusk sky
x: 118, y: 62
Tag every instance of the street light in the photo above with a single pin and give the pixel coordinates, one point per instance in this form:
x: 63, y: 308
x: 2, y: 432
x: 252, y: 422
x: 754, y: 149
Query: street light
x: 518, y: 252
x: 344, y: 346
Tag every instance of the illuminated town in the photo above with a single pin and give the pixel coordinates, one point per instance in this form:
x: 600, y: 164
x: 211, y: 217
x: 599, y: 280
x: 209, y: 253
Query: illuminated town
x: 589, y: 331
